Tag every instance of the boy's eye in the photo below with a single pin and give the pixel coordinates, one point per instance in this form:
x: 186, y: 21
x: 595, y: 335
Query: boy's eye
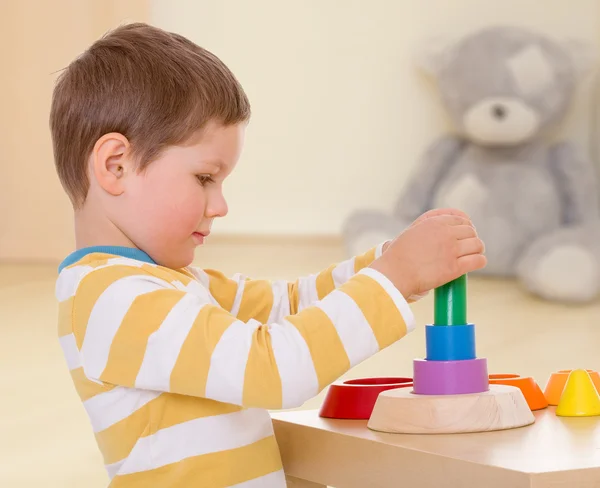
x: 204, y: 179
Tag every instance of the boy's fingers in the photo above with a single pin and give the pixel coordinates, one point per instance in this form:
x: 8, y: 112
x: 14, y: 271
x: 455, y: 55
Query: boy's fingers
x: 454, y: 220
x: 442, y: 211
x: 471, y: 262
x: 453, y: 211
x: 445, y: 219
x: 469, y: 246
x: 464, y: 231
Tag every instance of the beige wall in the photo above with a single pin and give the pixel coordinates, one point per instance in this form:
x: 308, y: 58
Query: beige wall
x: 340, y: 113
x: 38, y: 38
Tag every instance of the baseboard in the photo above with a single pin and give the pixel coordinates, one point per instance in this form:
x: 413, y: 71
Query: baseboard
x: 327, y: 240
x: 324, y: 241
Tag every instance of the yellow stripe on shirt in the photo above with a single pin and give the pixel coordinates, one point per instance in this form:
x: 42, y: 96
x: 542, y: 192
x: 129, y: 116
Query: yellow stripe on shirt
x: 94, y: 260
x: 379, y: 310
x: 163, y: 412
x: 65, y: 312
x: 87, y: 388
x: 262, y: 384
x: 222, y: 288
x: 326, y: 348
x: 117, y: 441
x: 145, y: 316
x: 190, y: 372
x: 215, y: 470
x: 92, y: 286
x: 324, y: 282
x: 257, y: 301
x: 364, y: 260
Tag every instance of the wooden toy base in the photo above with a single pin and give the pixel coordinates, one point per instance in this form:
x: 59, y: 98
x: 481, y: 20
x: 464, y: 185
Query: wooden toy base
x: 403, y: 412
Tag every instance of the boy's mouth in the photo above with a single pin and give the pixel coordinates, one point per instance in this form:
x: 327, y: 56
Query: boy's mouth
x: 199, y: 237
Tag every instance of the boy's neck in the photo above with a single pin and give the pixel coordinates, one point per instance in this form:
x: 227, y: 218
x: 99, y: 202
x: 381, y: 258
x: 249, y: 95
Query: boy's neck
x: 93, y: 229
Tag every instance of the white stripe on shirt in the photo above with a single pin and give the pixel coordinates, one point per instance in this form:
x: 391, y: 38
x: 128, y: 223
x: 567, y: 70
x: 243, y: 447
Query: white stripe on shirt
x: 299, y: 379
x: 343, y: 272
x: 226, y: 375
x: 68, y: 281
x: 69, y: 278
x: 106, y: 318
x: 164, y: 344
x: 395, y: 294
x: 237, y: 302
x: 307, y: 292
x: 354, y: 330
x: 196, y: 437
x: 69, y: 347
x: 110, y: 407
x: 281, y: 301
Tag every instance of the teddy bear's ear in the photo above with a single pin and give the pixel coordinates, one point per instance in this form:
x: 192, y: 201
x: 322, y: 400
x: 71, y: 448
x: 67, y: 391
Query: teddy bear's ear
x: 583, y: 54
x: 432, y: 54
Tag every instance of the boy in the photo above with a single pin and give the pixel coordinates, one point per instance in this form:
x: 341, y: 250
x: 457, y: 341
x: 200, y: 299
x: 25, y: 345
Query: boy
x: 177, y: 366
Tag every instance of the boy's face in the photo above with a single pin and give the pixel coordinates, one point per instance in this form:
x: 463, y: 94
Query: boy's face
x: 169, y: 208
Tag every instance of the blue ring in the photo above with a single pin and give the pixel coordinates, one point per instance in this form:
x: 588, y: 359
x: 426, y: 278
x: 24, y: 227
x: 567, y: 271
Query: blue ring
x: 450, y: 342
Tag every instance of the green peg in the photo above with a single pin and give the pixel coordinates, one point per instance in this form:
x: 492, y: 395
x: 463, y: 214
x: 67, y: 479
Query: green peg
x: 451, y: 302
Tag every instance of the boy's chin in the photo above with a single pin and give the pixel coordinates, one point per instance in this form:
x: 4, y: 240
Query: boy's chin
x: 182, y: 262
x: 176, y: 259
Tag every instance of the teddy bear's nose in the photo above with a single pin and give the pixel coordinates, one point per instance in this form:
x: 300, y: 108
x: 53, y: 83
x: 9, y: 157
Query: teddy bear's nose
x: 499, y: 111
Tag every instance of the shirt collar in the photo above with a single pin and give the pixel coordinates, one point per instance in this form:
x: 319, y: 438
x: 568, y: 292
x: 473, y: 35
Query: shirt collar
x: 126, y: 252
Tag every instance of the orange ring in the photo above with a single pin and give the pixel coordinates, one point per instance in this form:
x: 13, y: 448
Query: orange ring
x: 531, y: 390
x: 556, y: 384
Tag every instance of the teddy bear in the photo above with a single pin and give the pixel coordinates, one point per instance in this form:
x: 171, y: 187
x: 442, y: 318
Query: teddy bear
x: 533, y: 200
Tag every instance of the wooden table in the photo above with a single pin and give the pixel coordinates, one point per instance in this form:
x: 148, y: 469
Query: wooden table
x: 553, y: 452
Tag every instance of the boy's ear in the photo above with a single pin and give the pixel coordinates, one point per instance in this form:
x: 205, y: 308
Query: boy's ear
x: 111, y: 162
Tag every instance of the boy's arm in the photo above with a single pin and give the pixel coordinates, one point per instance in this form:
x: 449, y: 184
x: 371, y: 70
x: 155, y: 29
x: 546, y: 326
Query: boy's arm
x: 141, y: 331
x: 270, y: 301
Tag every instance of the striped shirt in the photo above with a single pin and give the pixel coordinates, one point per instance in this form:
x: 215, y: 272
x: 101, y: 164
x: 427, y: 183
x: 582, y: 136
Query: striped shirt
x: 177, y: 369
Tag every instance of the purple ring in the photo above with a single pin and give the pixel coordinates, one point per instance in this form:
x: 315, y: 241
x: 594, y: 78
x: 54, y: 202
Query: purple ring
x: 450, y: 377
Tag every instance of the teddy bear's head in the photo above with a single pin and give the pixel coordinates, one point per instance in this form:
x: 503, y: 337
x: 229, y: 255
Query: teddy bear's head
x: 504, y: 85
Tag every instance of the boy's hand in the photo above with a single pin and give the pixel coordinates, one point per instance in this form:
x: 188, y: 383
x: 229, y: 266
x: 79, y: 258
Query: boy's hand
x: 432, y: 213
x: 438, y: 247
x: 436, y: 212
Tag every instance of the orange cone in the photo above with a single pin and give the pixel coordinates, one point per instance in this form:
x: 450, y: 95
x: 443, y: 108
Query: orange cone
x: 580, y: 397
x: 557, y: 381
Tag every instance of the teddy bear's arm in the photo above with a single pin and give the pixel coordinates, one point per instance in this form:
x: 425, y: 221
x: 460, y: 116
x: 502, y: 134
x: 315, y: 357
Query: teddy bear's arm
x: 577, y: 183
x: 419, y: 191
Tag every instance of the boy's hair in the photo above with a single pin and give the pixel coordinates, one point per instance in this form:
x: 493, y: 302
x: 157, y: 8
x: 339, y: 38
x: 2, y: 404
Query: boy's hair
x: 156, y: 88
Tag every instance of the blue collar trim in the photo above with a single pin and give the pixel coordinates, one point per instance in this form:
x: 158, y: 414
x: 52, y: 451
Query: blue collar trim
x: 126, y: 252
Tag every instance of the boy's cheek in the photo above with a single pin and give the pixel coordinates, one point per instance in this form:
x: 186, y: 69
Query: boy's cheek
x: 167, y: 206
x: 178, y: 216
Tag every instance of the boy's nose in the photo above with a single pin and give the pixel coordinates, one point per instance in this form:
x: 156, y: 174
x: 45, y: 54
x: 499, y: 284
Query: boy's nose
x: 217, y: 207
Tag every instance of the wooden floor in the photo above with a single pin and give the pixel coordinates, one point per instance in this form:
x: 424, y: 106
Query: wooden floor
x: 45, y: 439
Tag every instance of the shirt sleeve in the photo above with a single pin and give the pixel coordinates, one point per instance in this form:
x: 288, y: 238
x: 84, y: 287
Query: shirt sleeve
x: 269, y: 301
x: 139, y: 330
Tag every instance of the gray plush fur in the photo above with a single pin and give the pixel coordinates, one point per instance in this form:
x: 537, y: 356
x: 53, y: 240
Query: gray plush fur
x: 535, y: 204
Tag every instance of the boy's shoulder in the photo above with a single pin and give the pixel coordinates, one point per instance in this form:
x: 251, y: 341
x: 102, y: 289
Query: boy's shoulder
x: 101, y: 270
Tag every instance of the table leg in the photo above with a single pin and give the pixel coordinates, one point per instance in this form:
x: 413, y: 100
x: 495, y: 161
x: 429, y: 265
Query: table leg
x: 293, y: 482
